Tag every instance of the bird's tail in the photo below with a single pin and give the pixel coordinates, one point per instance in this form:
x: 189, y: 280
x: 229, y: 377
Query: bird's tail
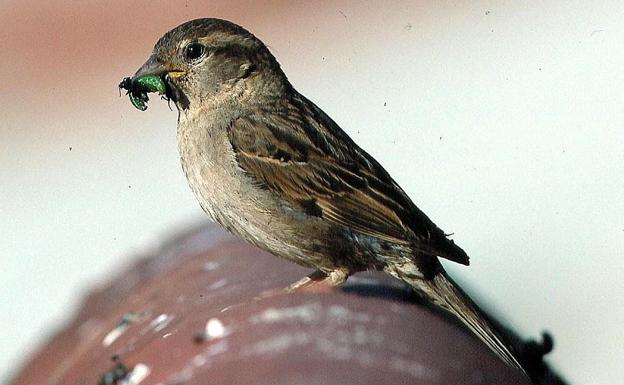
x: 444, y: 293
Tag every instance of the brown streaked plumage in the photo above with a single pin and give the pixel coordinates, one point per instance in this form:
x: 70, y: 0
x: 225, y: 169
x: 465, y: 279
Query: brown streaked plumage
x: 270, y: 166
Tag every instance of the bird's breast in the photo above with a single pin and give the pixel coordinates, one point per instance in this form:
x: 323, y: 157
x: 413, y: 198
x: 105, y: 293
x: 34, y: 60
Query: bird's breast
x: 210, y: 167
x: 226, y: 193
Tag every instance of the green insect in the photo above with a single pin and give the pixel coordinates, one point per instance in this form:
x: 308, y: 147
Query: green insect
x: 138, y: 88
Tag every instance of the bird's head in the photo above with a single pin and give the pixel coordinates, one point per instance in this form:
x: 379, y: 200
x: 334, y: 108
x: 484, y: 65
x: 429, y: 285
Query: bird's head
x: 205, y: 59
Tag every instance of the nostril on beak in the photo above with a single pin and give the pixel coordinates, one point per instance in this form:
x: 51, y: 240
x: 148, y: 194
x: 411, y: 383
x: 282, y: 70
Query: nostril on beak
x: 151, y: 67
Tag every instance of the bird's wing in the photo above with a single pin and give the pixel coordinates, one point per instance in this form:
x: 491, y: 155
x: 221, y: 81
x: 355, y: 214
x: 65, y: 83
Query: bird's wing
x: 296, y: 151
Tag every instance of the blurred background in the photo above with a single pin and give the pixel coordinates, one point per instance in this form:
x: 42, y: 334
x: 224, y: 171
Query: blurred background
x: 503, y: 121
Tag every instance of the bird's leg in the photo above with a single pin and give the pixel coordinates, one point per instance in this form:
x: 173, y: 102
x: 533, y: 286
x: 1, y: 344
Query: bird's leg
x: 334, y: 278
x: 312, y: 278
x: 337, y: 277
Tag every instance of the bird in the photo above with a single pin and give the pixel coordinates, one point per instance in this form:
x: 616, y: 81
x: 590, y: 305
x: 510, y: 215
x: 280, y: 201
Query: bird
x: 270, y: 166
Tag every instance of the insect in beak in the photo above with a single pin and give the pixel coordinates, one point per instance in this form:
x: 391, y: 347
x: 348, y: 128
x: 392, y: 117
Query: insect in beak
x: 138, y: 87
x: 153, y: 77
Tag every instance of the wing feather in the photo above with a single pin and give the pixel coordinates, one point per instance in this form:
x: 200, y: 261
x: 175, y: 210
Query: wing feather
x: 298, y: 152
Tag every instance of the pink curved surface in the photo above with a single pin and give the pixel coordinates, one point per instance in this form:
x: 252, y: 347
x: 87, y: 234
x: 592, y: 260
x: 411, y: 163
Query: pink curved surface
x: 206, y: 310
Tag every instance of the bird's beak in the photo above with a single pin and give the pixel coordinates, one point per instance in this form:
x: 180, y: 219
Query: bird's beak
x: 154, y: 67
x: 169, y: 74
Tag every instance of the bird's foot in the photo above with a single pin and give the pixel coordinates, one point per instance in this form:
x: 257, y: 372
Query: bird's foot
x: 311, y: 279
x: 337, y: 277
x: 314, y: 277
x: 334, y: 278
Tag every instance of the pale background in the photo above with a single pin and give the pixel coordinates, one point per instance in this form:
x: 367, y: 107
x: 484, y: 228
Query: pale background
x: 503, y: 121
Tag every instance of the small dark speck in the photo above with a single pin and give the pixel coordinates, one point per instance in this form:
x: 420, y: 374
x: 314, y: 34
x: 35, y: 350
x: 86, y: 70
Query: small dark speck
x: 198, y: 338
x: 492, y: 30
x: 385, y: 104
x: 440, y: 138
x: 116, y: 374
x: 323, y: 57
x: 70, y: 148
x: 408, y: 26
x: 539, y: 69
x: 129, y: 186
x: 487, y: 13
x: 342, y: 13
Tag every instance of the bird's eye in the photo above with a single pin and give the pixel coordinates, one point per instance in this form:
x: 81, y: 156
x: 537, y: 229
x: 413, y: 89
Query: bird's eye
x: 194, y: 51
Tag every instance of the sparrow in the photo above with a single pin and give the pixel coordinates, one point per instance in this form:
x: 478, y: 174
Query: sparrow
x: 270, y: 166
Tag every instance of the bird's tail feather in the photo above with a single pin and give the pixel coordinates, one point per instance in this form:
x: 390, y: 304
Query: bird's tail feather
x: 443, y: 292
